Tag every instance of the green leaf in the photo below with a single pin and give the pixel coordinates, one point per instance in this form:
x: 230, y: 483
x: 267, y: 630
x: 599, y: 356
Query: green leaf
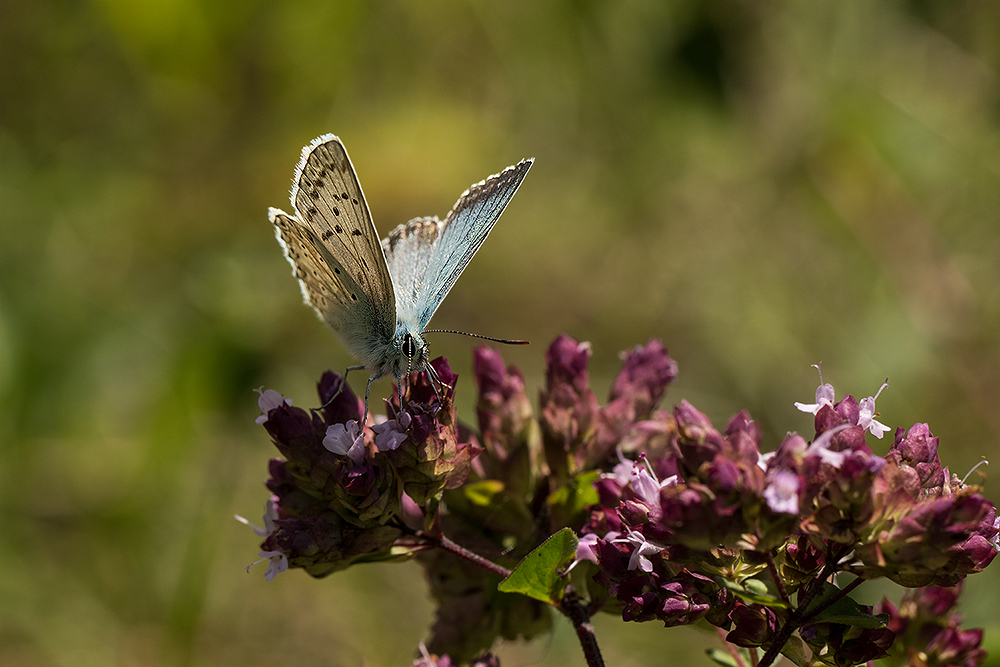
x: 721, y: 657
x: 795, y: 651
x: 489, y: 505
x: 755, y: 591
x: 845, y: 611
x: 569, y: 503
x: 539, y: 574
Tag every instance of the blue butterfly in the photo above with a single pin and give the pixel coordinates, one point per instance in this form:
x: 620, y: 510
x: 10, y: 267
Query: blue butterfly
x: 380, y: 297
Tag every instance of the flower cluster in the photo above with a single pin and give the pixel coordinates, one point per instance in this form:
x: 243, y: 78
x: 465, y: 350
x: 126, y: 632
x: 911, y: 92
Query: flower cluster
x: 928, y: 630
x: 343, y: 494
x: 681, y: 533
x: 678, y: 521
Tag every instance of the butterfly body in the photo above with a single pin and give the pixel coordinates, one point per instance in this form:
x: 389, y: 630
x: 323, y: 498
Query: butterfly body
x: 379, y: 296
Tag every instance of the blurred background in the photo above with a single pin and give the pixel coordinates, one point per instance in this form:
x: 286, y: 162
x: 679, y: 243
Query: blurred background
x: 762, y: 185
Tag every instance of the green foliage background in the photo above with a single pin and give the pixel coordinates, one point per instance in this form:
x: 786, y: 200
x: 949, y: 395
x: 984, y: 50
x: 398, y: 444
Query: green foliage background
x: 763, y: 185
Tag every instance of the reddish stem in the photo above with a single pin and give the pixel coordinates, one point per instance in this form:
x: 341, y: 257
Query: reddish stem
x: 570, y: 606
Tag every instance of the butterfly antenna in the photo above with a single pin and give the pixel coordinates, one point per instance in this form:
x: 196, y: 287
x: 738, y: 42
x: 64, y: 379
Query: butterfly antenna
x: 505, y: 341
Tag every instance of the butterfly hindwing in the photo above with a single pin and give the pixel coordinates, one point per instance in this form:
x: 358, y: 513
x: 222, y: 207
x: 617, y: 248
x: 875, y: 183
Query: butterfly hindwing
x: 409, y: 250
x: 426, y: 256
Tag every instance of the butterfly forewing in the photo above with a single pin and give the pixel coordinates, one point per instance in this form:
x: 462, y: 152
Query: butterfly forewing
x: 328, y: 287
x: 328, y: 201
x: 429, y: 255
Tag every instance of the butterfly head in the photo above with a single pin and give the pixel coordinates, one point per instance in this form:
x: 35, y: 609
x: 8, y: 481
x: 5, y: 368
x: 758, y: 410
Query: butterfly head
x: 410, y: 351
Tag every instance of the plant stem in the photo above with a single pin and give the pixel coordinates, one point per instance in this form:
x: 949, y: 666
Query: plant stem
x: 579, y: 615
x: 733, y: 651
x: 465, y: 554
x: 570, y: 606
x: 798, y: 616
x: 773, y: 567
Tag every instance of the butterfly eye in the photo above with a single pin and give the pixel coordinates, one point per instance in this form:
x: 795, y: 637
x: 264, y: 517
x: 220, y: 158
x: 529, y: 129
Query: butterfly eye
x: 409, y: 347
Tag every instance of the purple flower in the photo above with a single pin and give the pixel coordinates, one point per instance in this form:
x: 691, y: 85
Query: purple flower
x: 507, y: 425
x: 277, y: 562
x: 345, y: 440
x: 586, y: 548
x: 846, y: 645
x: 566, y: 363
x: 867, y: 414
x: 568, y: 408
x: 824, y: 396
x: 645, y: 485
x: 269, y: 399
x: 755, y: 625
x: 270, y: 516
x: 916, y: 453
x: 782, y: 492
x: 646, y: 372
x: 641, y: 550
x: 391, y: 433
x: 938, y: 542
x: 697, y: 439
x: 821, y: 447
x: 682, y: 601
x: 927, y: 624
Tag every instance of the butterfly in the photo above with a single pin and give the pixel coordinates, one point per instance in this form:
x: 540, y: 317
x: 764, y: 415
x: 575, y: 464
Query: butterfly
x: 380, y: 296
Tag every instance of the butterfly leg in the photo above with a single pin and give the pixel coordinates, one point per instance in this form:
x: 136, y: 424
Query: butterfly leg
x: 343, y: 383
x: 399, y: 390
x: 368, y: 391
x: 435, y: 381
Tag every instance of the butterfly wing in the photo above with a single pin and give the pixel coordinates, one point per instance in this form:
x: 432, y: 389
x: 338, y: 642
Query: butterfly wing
x: 426, y: 256
x: 334, y: 251
x: 409, y: 250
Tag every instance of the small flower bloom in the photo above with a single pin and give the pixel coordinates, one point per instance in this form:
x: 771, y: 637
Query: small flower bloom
x: 824, y: 396
x: 586, y: 548
x: 345, y: 440
x: 622, y: 472
x: 821, y: 447
x: 391, y: 433
x: 567, y: 362
x: 866, y: 416
x: 270, y: 515
x: 277, y: 562
x: 269, y: 399
x: 782, y: 494
x: 646, y: 486
x: 641, y: 549
x: 681, y: 601
x: 754, y: 625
